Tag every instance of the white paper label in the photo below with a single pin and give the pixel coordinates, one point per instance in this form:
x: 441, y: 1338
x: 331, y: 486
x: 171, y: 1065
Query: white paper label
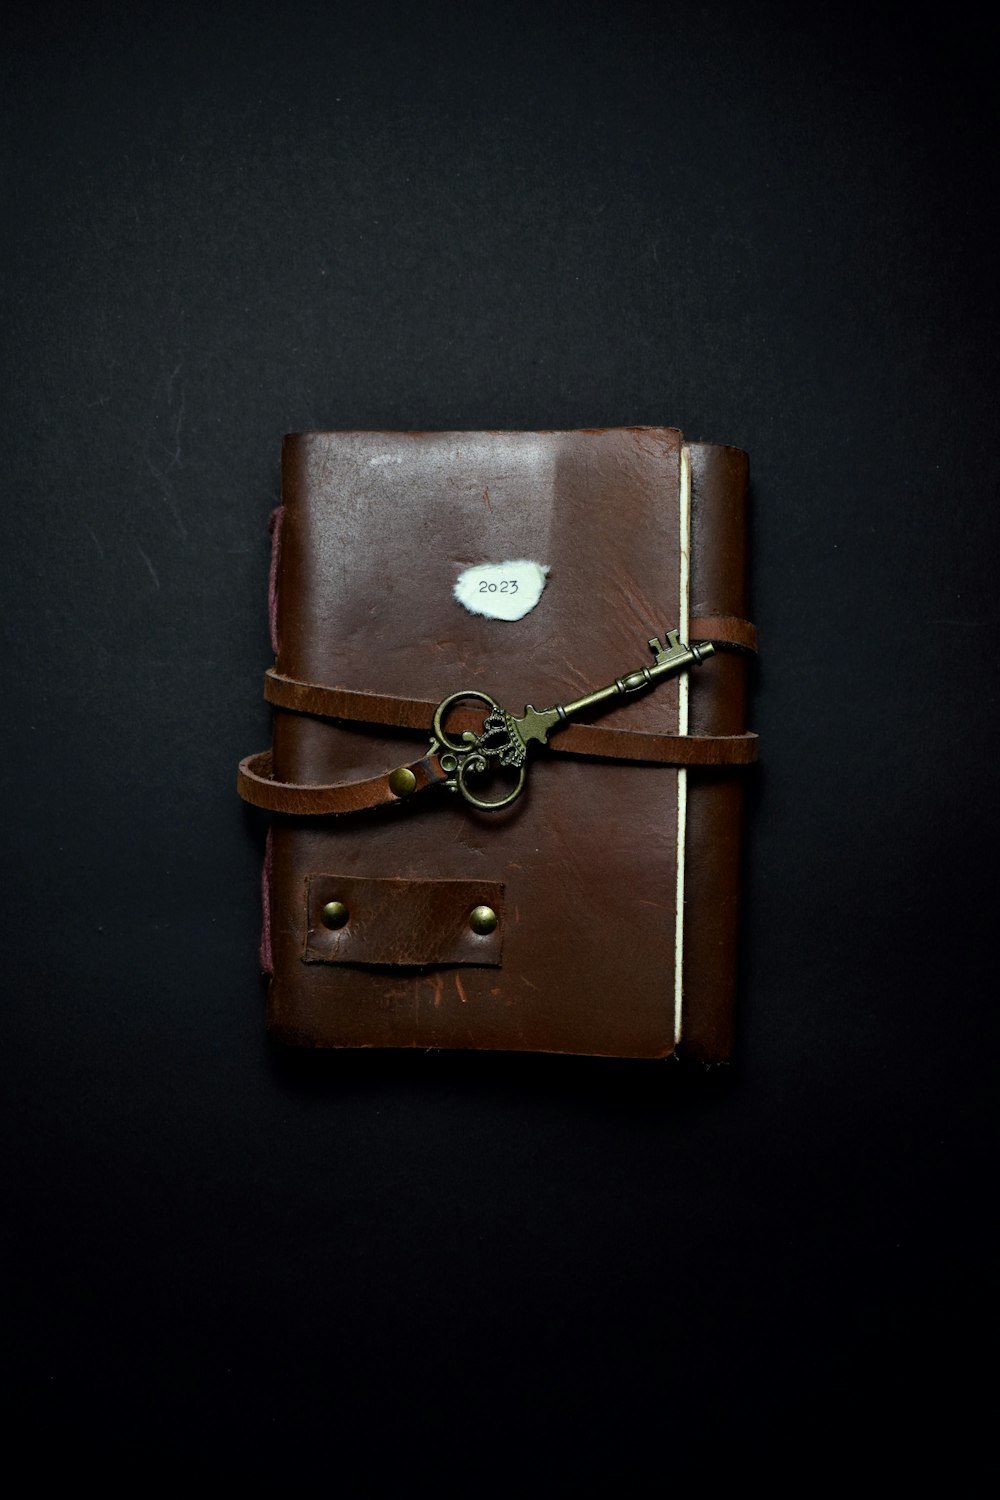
x: 503, y: 591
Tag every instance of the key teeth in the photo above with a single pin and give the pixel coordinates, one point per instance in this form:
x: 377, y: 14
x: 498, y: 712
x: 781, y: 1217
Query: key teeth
x: 673, y: 643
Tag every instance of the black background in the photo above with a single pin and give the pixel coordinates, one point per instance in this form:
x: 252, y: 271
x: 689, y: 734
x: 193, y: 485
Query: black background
x: 768, y: 226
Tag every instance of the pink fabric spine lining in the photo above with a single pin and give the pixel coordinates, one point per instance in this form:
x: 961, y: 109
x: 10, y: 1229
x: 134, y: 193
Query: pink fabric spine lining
x: 274, y: 527
x: 266, y: 955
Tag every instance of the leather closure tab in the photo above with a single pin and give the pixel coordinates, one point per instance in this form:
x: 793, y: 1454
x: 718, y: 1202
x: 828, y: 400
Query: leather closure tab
x: 256, y: 783
x: 418, y: 923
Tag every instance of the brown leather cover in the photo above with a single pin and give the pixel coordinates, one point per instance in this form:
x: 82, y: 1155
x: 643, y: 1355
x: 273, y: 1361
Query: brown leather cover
x: 376, y: 528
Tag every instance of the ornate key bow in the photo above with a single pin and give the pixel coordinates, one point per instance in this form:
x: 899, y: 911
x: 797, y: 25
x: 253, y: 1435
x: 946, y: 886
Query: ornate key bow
x: 504, y: 738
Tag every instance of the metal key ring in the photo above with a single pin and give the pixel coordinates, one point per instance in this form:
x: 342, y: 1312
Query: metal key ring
x: 468, y: 767
x: 465, y: 758
x: 469, y: 740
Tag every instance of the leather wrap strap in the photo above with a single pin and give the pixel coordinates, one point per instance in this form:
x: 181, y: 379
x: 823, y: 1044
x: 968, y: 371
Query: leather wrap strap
x: 256, y: 782
x: 575, y: 739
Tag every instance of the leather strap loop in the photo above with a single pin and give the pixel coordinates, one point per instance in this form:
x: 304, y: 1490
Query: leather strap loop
x: 726, y: 632
x: 575, y: 739
x: 255, y: 783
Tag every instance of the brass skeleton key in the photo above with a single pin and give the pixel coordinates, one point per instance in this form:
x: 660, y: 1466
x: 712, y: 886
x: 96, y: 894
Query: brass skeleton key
x: 505, y: 738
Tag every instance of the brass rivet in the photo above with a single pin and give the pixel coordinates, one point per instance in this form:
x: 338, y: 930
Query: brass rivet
x: 402, y: 782
x: 334, y: 914
x: 483, y: 919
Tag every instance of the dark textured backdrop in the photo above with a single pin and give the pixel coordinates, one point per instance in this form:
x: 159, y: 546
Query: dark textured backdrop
x: 765, y: 226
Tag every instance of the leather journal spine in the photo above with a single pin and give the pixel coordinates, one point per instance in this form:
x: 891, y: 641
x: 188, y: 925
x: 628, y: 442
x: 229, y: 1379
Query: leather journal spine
x: 718, y: 706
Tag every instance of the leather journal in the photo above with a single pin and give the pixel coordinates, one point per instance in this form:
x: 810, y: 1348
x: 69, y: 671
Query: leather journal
x: 509, y: 742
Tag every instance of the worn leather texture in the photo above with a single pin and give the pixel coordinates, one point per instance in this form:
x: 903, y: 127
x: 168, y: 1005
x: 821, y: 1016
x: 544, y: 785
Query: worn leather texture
x: 376, y: 527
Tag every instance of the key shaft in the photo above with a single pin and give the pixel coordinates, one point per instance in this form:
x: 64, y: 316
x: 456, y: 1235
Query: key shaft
x: 539, y: 724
